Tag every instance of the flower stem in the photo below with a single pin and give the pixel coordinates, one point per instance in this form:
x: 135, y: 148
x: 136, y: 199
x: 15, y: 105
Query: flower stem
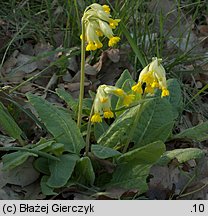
x: 82, y: 76
x: 87, y: 148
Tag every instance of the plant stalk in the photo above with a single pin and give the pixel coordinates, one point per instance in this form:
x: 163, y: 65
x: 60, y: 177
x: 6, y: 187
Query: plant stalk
x: 87, y: 148
x: 82, y: 76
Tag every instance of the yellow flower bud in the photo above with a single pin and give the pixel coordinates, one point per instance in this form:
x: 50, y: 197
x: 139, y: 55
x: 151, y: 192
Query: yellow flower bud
x: 137, y: 88
x: 113, y: 41
x: 128, y: 99
x: 114, y: 23
x: 106, y: 8
x: 108, y: 114
x: 165, y: 93
x: 96, y: 118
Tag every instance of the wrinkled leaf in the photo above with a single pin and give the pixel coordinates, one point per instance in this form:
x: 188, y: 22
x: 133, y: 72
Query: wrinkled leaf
x: 9, y: 125
x: 84, y: 171
x: 175, y: 97
x: 182, y: 155
x: 124, y: 76
x: 155, y: 122
x: 61, y: 170
x: 142, y: 124
x: 71, y: 102
x: 46, y: 190
x: 14, y: 159
x: 99, y: 129
x: 198, y: 133
x: 103, y: 152
x: 42, y: 166
x: 59, y: 123
x: 134, y: 166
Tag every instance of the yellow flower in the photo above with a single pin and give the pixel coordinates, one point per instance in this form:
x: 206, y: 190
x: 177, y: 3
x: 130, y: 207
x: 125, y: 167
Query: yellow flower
x: 165, y: 92
x: 102, y: 102
x: 103, y: 99
x: 137, y: 88
x: 114, y: 23
x: 128, y: 99
x: 96, y: 118
x: 113, y: 41
x: 149, y: 89
x: 98, y: 23
x: 108, y: 114
x: 119, y: 92
x: 106, y: 8
x: 91, y: 46
x: 154, y: 76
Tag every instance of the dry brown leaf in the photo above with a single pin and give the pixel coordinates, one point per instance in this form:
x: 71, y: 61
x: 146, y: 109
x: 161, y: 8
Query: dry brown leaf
x: 75, y: 86
x: 90, y: 70
x: 26, y: 64
x: 113, y: 55
x: 22, y: 175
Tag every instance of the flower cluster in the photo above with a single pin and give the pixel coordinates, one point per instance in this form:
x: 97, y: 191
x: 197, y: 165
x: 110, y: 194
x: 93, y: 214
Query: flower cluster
x: 153, y: 76
x: 102, y: 103
x: 98, y: 23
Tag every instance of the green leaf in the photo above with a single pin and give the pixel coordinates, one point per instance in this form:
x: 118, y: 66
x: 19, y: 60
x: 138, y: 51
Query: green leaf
x: 43, y: 145
x: 117, y: 132
x: 100, y: 129
x: 103, y: 152
x: 134, y: 166
x: 127, y: 88
x: 41, y: 165
x: 155, y: 122
x: 198, y: 133
x: 46, y: 190
x: 56, y: 149
x: 175, y: 97
x: 61, y: 170
x: 9, y: 125
x: 182, y: 155
x: 120, y: 82
x: 142, y: 124
x: 59, y: 123
x: 147, y: 154
x: 124, y: 76
x: 135, y: 48
x: 71, y: 102
x: 14, y: 159
x: 84, y: 171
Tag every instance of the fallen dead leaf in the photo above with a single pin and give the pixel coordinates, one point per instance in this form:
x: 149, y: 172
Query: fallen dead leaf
x: 22, y: 175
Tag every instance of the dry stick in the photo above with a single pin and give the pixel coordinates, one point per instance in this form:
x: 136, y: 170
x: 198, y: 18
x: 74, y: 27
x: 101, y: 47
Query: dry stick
x: 82, y: 76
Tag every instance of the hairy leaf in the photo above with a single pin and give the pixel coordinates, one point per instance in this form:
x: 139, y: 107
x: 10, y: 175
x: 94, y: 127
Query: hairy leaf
x: 103, y: 152
x: 182, y: 155
x: 142, y: 124
x: 46, y: 190
x: 198, y: 133
x: 100, y: 129
x: 175, y: 97
x: 71, y: 102
x: 14, y: 159
x: 9, y: 125
x: 59, y: 123
x: 61, y: 170
x: 134, y: 166
x: 84, y: 171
